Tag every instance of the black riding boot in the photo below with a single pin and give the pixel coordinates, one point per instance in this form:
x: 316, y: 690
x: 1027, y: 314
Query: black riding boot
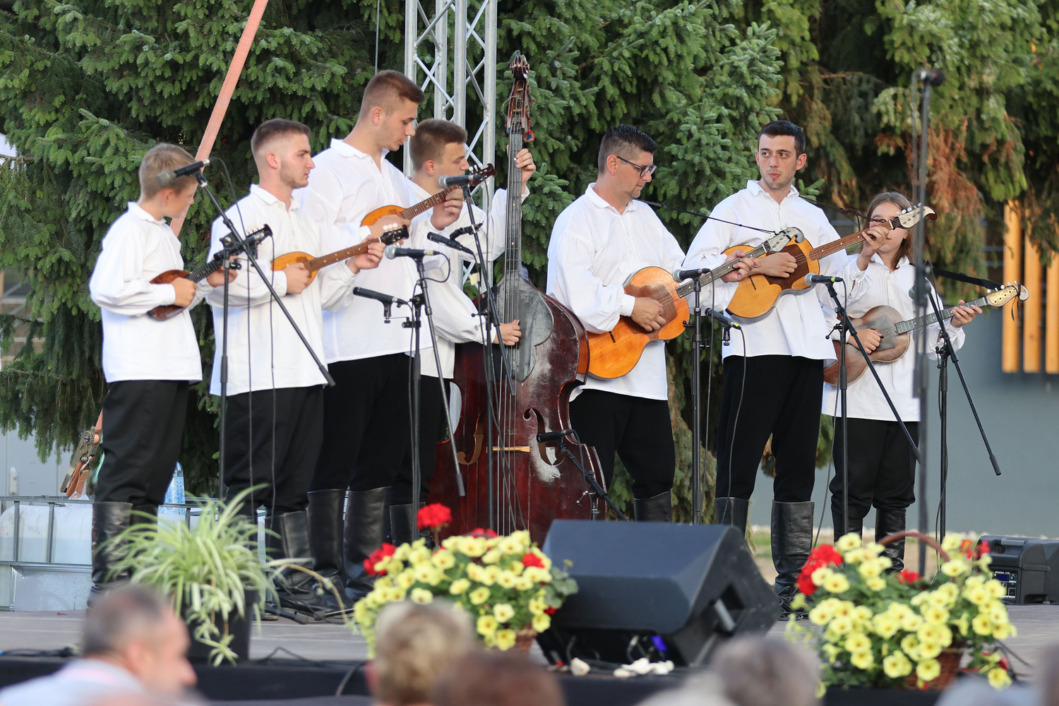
x: 364, y: 533
x: 732, y: 511
x: 854, y: 524
x: 109, y: 519
x: 887, y: 522
x: 325, y: 534
x: 658, y: 508
x: 297, y: 590
x: 792, y: 540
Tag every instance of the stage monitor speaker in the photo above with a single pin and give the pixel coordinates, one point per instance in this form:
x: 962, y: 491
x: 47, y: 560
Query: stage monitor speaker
x: 1029, y: 568
x: 654, y: 589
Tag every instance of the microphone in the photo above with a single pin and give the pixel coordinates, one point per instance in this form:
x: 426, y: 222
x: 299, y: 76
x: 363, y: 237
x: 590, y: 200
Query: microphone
x: 811, y: 279
x: 931, y: 77
x: 387, y: 299
x: 393, y: 251
x: 718, y: 316
x: 681, y: 275
x: 462, y: 180
x: 554, y: 435
x: 170, y: 175
x: 451, y: 242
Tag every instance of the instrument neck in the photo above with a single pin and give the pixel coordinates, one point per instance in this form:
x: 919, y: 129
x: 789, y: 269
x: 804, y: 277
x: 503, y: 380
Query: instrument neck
x: 200, y: 273
x: 836, y: 245
x: 928, y: 319
x: 428, y: 203
x: 513, y: 250
x: 716, y: 273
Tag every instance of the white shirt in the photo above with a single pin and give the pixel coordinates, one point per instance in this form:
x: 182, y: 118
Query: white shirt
x: 345, y: 186
x: 264, y: 352
x: 82, y: 681
x: 137, y: 248
x: 592, y: 253
x: 880, y: 287
x: 795, y: 326
x: 456, y: 319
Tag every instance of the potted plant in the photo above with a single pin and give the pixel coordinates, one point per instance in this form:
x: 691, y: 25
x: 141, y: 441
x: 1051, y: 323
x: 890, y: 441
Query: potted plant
x: 876, y: 628
x: 211, y: 571
x: 505, y: 583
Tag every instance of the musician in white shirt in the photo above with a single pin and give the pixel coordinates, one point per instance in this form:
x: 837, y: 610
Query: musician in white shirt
x: 881, y: 461
x: 275, y: 393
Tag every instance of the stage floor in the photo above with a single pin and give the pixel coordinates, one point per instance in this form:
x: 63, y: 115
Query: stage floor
x: 30, y: 634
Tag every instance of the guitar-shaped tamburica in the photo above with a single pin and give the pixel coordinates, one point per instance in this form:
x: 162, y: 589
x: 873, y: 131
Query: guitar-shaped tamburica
x: 168, y: 311
x: 616, y: 352
x: 757, y: 294
x: 887, y: 321
x: 391, y: 234
x: 477, y: 176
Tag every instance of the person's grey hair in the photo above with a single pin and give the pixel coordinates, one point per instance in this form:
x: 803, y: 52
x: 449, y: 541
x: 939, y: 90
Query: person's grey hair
x: 123, y: 614
x: 767, y: 671
x: 975, y: 691
x: 1047, y: 676
x: 702, y: 690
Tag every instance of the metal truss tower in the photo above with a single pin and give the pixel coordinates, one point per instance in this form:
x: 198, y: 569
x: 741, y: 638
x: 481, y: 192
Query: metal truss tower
x: 450, y: 47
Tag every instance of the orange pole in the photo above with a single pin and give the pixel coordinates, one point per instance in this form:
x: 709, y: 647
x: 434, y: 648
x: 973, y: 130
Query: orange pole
x: 1009, y: 356
x: 1051, y: 320
x: 235, y: 69
x: 1032, y: 309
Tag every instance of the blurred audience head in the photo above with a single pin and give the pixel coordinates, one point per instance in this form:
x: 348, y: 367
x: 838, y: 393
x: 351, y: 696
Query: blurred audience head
x: 767, y: 671
x: 134, y: 627
x: 497, y: 679
x: 1047, y: 679
x: 975, y: 691
x: 413, y: 644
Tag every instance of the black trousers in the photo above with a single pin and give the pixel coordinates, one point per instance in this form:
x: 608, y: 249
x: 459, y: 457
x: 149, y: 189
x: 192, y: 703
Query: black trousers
x: 274, y: 438
x: 431, y: 427
x: 881, y: 467
x: 143, y: 423
x: 638, y: 429
x: 366, y: 418
x: 782, y: 398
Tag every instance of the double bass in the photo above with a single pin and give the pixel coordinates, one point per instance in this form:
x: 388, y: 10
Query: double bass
x: 511, y: 480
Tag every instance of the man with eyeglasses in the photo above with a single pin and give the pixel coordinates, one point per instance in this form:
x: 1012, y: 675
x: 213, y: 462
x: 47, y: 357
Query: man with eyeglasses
x: 597, y: 242
x: 773, y: 374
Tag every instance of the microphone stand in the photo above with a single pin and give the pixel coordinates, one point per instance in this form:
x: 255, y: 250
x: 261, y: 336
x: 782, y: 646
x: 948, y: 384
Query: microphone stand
x: 595, y: 488
x: 239, y: 245
x: 946, y: 350
x: 843, y: 327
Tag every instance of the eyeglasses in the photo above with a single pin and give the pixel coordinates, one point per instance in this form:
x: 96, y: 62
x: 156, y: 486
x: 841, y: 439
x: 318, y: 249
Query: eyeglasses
x: 645, y: 171
x: 881, y: 222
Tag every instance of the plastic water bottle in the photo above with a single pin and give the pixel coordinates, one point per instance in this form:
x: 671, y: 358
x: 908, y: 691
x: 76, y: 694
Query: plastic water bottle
x: 175, y: 493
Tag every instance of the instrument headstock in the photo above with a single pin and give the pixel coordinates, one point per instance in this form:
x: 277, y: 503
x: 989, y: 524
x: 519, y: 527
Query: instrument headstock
x: 518, y: 119
x: 1002, y: 296
x: 780, y: 239
x: 912, y: 215
x: 393, y: 233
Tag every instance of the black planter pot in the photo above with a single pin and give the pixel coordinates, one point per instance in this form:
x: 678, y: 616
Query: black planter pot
x: 238, y: 626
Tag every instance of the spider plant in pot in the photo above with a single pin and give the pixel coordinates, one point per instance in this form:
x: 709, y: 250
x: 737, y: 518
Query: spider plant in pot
x: 211, y: 572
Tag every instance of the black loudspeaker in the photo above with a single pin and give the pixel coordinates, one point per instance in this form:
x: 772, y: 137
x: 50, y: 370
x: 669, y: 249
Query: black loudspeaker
x: 653, y: 589
x: 1029, y: 568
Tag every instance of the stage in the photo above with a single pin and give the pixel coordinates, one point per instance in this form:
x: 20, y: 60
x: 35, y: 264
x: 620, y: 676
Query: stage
x: 320, y: 663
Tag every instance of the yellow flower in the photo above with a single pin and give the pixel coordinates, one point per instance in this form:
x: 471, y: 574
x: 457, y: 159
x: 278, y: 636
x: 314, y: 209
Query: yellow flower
x: 537, y: 605
x: 1003, y: 632
x: 939, y: 634
x: 857, y: 642
x: 996, y: 589
x: 862, y: 614
x: 426, y: 573
x: 979, y: 595
x: 443, y: 559
x: 885, y: 625
x: 876, y: 583
x: 928, y: 649
x: 935, y: 615
x: 523, y: 583
x: 506, y: 579
x: 854, y: 556
x: 998, y: 613
x: 953, y: 568
x: 479, y: 595
x: 405, y: 579
x: 537, y: 574
x: 947, y: 592
x: 473, y: 546
x: 503, y: 612
x: 869, y: 569
x: 486, y: 625
x: 841, y: 625
x: 542, y: 622
x: 848, y: 542
x: 505, y: 639
x: 862, y: 660
x: 998, y: 678
x: 490, y: 574
x: 981, y: 624
x: 512, y: 545
x: 951, y: 543
x: 459, y: 587
x: 493, y: 556
x: 419, y: 555
x: 820, y: 615
x: 831, y: 652
x: 475, y: 572
x: 821, y: 575
x: 402, y: 552
x: 843, y: 609
x: 897, y: 665
x: 928, y: 670
x: 422, y: 596
x: 910, y: 645
x: 836, y: 583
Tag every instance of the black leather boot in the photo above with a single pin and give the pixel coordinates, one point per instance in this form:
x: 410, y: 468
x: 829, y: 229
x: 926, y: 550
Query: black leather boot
x: 109, y: 519
x: 658, y: 508
x: 288, y: 538
x: 732, y: 511
x: 854, y: 524
x: 792, y: 540
x: 887, y: 522
x: 403, y: 529
x: 325, y: 534
x: 364, y: 533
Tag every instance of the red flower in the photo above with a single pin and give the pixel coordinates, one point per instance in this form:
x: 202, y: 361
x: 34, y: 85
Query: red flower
x: 531, y: 559
x: 907, y: 576
x: 434, y: 515
x: 824, y: 555
x: 550, y: 611
x: 383, y: 552
x: 487, y: 533
x: 805, y: 584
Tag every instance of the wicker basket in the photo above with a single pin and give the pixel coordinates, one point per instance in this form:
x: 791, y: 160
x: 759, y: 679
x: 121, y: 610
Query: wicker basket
x: 919, y: 536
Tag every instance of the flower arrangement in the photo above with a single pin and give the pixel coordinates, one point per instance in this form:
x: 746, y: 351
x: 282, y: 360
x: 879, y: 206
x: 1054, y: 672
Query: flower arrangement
x: 888, y: 629
x: 505, y: 583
